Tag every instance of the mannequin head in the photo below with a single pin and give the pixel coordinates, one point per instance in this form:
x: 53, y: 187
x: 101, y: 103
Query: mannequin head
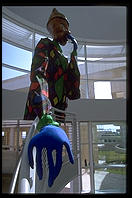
x: 58, y: 26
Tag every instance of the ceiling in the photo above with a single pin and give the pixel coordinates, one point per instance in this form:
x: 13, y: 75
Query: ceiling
x: 106, y: 23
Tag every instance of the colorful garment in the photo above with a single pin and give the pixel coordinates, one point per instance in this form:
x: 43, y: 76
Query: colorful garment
x: 63, y: 78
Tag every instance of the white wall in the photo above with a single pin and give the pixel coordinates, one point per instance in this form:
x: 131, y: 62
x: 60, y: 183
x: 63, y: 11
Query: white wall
x: 98, y: 110
x: 9, y: 160
x: 13, y: 106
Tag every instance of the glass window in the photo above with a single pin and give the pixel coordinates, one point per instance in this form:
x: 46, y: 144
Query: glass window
x: 102, y: 90
x: 109, y: 153
x: 67, y: 50
x: 8, y: 73
x: 118, y: 89
x: 15, y: 56
x: 38, y: 37
x: 105, y: 62
x: 24, y: 133
x: 81, y: 66
x: 83, y: 79
x: 80, y: 52
x: 86, y: 186
x: 106, y: 70
x: 17, y: 34
x: 110, y: 180
x: 103, y: 50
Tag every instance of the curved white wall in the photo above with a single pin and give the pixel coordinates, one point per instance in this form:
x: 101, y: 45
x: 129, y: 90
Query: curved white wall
x: 13, y: 106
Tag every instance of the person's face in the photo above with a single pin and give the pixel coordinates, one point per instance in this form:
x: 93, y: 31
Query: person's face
x: 59, y: 29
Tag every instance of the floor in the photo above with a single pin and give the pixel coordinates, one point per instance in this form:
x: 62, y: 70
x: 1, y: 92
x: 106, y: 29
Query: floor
x: 104, y: 182
x: 6, y: 181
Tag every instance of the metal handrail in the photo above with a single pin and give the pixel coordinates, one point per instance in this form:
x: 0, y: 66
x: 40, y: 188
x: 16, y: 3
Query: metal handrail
x: 17, y: 168
x: 24, y: 173
x: 15, y: 175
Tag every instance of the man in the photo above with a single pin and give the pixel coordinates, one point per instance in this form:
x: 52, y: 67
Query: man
x: 50, y: 65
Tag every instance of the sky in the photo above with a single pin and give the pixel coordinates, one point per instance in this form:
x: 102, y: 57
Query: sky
x: 14, y: 56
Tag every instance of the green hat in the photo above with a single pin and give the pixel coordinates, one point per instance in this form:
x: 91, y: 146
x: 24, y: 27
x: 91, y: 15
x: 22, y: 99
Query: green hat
x: 56, y: 14
x: 46, y: 120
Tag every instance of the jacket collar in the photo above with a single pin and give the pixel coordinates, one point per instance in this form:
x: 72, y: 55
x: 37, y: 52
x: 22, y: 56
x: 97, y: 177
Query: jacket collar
x: 57, y: 46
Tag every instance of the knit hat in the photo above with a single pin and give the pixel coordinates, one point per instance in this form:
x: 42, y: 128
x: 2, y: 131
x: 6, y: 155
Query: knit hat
x: 56, y: 14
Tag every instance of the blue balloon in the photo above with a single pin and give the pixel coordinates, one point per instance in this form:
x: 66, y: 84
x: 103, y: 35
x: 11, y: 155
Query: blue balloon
x: 52, y: 138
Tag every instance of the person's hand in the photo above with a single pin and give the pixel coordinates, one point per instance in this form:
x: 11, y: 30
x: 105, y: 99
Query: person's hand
x: 52, y: 138
x: 73, y: 40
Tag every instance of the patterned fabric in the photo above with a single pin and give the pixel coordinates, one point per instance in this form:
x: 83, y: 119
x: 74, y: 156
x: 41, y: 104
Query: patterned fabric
x: 63, y: 78
x: 72, y: 82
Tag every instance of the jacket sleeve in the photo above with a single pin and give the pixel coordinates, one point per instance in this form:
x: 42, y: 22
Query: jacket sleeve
x: 40, y: 57
x: 73, y: 78
x: 37, y: 76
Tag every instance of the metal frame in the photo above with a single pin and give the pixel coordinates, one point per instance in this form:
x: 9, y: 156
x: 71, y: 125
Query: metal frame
x: 91, y: 165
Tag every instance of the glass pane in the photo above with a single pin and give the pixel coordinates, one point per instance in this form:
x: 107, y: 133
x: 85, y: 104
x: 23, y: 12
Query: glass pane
x: 84, y: 156
x: 24, y: 134
x: 112, y: 179
x: 84, y: 132
x: 118, y: 89
x: 67, y: 49
x: 83, y: 79
x: 109, y: 153
x: 85, y: 168
x: 80, y: 52
x: 83, y: 88
x: 5, y: 138
x: 10, y: 73
x: 98, y: 70
x: 112, y: 132
x: 16, y: 34
x: 100, y: 51
x: 102, y: 90
x: 38, y: 38
x: 106, y: 63
x: 81, y: 66
x: 15, y: 56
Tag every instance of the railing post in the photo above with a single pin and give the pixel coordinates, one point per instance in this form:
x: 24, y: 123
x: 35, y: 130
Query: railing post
x: 75, y: 184
x: 91, y: 159
x: 86, y: 69
x: 18, y: 129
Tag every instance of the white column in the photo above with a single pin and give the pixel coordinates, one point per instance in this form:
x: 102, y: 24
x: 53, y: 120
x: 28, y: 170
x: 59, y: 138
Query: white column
x: 123, y: 135
x: 11, y: 140
x: 86, y: 69
x: 75, y: 185
x: 91, y: 89
x: 91, y: 160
